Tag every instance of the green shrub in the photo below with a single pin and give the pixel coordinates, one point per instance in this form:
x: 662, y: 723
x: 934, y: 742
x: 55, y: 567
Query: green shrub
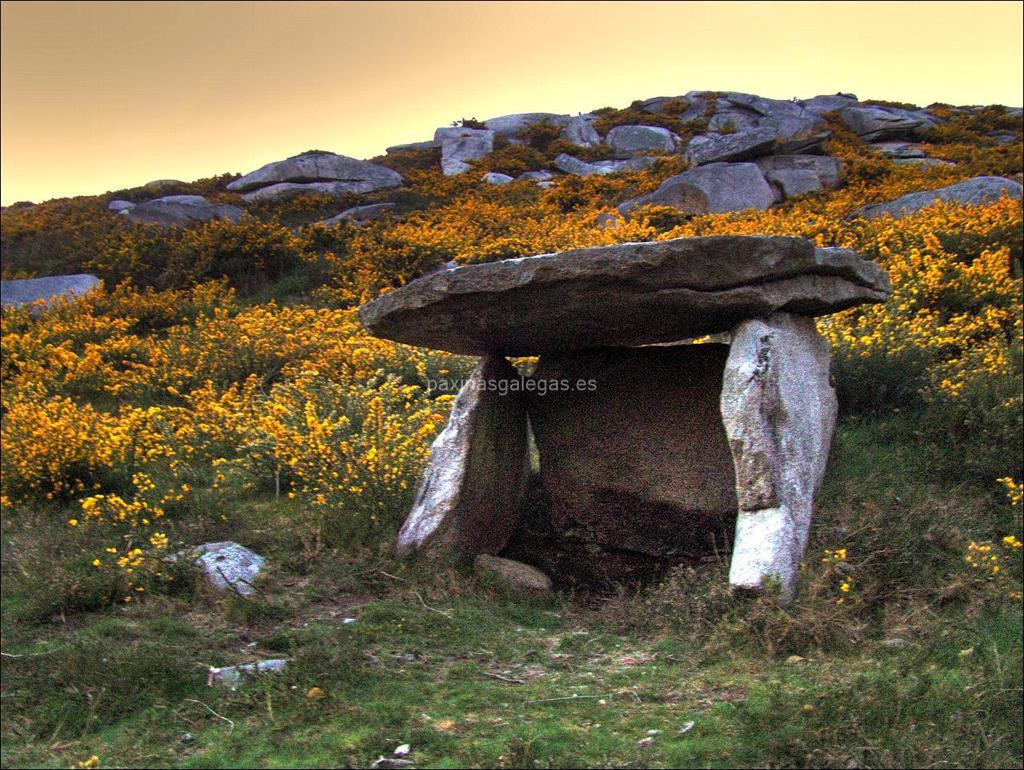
x: 513, y: 159
x: 303, y: 209
x: 249, y: 254
x: 207, y: 187
x: 58, y: 236
x: 635, y: 115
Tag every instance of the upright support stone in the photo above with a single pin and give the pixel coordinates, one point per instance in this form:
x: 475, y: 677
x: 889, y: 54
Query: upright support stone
x: 779, y: 410
x: 469, y: 500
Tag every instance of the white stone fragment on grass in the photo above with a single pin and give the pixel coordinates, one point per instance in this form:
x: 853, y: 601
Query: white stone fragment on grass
x: 233, y: 676
x: 228, y: 565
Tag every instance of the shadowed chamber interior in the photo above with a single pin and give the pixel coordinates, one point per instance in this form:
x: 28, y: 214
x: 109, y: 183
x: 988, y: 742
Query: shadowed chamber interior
x: 635, y: 469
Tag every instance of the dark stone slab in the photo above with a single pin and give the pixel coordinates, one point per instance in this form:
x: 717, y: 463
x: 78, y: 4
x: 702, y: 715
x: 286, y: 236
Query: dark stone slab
x: 622, y: 295
x: 633, y: 452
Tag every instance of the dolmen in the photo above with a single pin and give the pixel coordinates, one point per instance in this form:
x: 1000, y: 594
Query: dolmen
x: 657, y: 442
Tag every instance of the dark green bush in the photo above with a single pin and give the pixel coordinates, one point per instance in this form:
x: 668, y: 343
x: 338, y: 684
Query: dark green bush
x: 248, y: 254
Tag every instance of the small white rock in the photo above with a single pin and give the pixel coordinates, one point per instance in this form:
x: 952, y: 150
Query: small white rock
x: 493, y: 177
x: 232, y: 676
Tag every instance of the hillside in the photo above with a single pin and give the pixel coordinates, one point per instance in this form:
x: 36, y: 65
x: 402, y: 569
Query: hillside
x: 220, y: 387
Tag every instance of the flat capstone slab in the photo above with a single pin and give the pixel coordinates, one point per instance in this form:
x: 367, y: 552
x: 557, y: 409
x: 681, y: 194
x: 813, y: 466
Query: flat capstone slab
x: 622, y: 295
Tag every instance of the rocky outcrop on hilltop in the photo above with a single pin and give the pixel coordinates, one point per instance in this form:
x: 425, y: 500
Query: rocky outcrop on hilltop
x: 745, y: 151
x: 179, y: 210
x: 739, y: 151
x: 317, y: 171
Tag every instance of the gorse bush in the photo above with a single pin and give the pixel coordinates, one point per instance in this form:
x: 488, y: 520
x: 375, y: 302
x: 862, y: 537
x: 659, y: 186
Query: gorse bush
x: 247, y: 254
x: 352, y: 450
x: 513, y: 159
x: 609, y: 118
x: 60, y: 236
x: 208, y: 393
x: 210, y: 187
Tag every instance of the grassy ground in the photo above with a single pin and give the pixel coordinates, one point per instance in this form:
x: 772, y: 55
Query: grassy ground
x: 921, y: 668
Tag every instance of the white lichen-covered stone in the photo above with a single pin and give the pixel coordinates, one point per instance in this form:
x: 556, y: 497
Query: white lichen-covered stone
x: 468, y: 502
x: 493, y: 177
x: 581, y: 132
x: 460, y: 146
x: 779, y: 410
x: 233, y: 676
x: 228, y: 565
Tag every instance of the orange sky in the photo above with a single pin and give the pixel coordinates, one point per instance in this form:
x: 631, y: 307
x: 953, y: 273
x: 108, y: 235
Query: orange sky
x: 100, y: 96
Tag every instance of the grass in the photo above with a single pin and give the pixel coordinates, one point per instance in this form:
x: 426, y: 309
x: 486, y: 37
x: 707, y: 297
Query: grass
x: 922, y: 669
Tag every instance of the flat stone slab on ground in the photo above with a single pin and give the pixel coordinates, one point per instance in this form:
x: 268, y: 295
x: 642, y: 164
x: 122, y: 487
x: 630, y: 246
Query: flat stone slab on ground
x: 25, y: 291
x: 622, y: 295
x: 573, y: 165
x: 181, y: 210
